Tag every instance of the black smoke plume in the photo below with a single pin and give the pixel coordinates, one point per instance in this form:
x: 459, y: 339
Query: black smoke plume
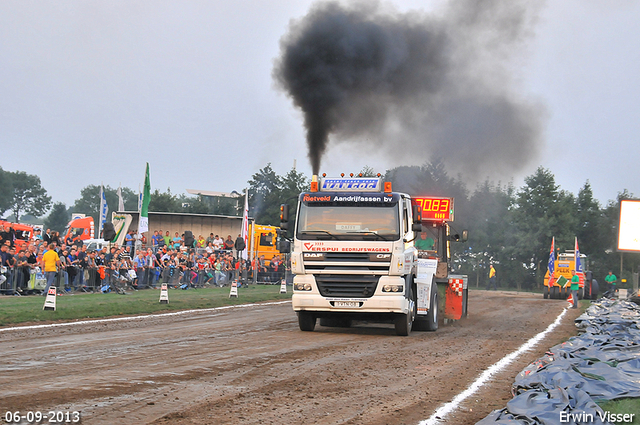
x: 412, y: 85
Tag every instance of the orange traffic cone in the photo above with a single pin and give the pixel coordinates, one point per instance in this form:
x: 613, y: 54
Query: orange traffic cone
x: 570, y: 299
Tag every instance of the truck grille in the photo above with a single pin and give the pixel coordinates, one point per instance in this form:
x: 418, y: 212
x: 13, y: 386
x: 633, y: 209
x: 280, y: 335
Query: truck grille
x: 347, y: 261
x: 347, y: 285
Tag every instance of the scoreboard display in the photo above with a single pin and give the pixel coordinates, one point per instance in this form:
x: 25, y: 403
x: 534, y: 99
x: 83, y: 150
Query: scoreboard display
x: 435, y: 209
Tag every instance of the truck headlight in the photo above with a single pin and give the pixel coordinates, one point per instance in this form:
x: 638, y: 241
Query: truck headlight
x: 392, y: 288
x: 302, y: 287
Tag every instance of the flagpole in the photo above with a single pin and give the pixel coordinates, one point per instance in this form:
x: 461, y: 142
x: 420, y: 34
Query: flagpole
x: 101, y: 208
x: 143, y: 203
x: 120, y: 200
x: 245, y: 224
x: 102, y: 218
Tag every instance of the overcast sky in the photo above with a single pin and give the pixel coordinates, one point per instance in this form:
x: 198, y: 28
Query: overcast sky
x: 90, y: 91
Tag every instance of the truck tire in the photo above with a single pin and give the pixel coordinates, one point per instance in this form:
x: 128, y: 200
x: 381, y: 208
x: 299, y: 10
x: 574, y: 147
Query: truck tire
x: 429, y: 322
x: 595, y: 288
x: 555, y: 293
x: 306, y: 321
x: 432, y: 316
x: 404, y: 322
x: 465, y: 301
x: 545, y: 292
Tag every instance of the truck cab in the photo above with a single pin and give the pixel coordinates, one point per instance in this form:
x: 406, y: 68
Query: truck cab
x: 353, y: 255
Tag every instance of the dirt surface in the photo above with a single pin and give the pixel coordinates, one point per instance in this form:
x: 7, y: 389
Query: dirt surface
x: 253, y: 365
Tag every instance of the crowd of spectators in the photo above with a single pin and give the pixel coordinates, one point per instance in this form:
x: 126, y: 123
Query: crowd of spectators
x: 71, y: 265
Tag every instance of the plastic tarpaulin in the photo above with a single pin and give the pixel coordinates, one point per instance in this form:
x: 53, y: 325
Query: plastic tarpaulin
x: 603, y: 363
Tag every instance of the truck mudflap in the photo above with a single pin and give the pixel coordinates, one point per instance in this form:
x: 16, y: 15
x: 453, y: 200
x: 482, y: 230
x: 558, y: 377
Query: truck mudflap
x: 424, y: 279
x: 456, y: 297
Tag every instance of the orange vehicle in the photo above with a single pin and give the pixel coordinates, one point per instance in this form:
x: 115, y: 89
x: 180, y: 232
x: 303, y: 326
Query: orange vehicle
x: 23, y: 232
x: 82, y: 227
x: 262, y: 241
x: 560, y: 288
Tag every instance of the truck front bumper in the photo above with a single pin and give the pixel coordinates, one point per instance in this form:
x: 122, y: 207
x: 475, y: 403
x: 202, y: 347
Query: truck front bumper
x: 380, y: 302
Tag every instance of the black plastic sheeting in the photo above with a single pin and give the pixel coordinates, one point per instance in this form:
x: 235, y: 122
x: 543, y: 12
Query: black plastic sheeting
x: 603, y: 363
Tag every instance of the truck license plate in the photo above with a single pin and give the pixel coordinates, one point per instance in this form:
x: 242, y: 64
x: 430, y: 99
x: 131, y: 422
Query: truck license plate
x: 350, y: 304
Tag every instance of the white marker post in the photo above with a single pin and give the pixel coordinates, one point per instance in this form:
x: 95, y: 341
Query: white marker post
x: 164, y: 294
x: 234, y: 289
x: 50, y: 301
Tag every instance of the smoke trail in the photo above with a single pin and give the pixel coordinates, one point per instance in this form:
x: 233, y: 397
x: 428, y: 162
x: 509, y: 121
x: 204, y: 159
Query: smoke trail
x: 413, y: 85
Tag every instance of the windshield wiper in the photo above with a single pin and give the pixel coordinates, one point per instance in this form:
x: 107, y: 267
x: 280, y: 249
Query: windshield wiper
x: 369, y: 232
x: 320, y: 231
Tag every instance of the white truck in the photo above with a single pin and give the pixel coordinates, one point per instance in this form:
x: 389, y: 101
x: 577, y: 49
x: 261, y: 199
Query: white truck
x: 353, y: 257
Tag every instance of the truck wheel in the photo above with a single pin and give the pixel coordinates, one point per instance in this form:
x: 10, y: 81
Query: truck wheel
x: 306, y: 321
x: 465, y: 301
x: 432, y: 316
x: 404, y: 322
x: 555, y: 293
x: 581, y: 293
x: 545, y: 292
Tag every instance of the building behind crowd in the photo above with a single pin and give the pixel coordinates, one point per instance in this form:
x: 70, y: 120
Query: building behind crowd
x: 198, y: 224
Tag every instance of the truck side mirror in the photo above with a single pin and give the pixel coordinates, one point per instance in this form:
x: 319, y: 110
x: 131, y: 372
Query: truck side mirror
x: 459, y: 238
x: 417, y: 214
x: 284, y: 212
x: 284, y: 246
x: 416, y: 227
x: 284, y: 216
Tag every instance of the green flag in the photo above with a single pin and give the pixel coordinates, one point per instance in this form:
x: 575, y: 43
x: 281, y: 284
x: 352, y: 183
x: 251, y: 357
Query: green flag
x: 144, y: 208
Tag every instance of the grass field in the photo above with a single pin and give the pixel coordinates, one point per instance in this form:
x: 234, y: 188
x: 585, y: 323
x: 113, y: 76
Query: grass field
x: 624, y: 406
x: 15, y: 310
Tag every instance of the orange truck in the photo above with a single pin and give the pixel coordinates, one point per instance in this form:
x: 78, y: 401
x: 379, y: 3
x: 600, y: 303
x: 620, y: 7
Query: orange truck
x: 564, y: 264
x: 262, y: 241
x: 82, y: 227
x: 23, y: 233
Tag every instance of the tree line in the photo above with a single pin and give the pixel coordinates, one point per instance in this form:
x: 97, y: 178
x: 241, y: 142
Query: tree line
x: 513, y: 228
x: 508, y: 227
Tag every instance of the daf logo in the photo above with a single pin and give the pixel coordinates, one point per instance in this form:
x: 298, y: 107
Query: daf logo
x: 315, y: 255
x: 380, y: 257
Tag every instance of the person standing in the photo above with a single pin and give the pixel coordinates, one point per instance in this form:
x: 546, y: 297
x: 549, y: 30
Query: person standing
x: 50, y: 263
x: 218, y: 243
x: 612, y: 280
x: 492, y: 278
x: 155, y: 240
x: 229, y: 244
x: 575, y: 285
x: 240, y: 246
x: 176, y: 241
x: 141, y: 268
x: 128, y: 241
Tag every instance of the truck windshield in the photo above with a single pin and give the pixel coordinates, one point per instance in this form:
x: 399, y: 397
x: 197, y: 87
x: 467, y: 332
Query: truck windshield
x: 348, y: 222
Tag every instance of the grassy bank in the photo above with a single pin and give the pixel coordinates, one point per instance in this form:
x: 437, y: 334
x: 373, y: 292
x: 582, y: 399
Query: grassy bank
x: 623, y: 406
x: 15, y: 310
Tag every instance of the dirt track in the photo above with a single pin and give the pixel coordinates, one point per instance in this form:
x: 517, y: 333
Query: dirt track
x: 253, y: 366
